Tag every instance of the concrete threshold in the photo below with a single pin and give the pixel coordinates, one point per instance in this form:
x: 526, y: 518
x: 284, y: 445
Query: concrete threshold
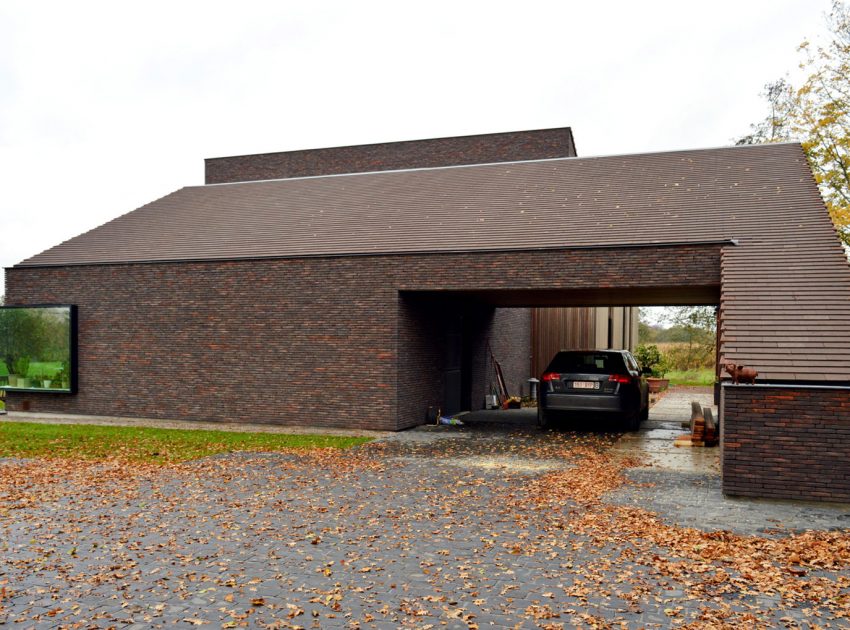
x: 192, y: 425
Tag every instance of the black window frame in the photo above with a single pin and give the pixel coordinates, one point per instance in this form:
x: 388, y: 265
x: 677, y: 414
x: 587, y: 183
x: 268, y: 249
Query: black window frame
x: 73, y: 328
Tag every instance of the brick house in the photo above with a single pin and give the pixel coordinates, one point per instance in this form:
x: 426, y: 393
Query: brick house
x: 357, y: 286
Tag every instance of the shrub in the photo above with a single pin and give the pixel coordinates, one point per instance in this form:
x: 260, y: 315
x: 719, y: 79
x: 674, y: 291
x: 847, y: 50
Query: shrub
x: 686, y: 357
x: 22, y: 366
x: 649, y: 357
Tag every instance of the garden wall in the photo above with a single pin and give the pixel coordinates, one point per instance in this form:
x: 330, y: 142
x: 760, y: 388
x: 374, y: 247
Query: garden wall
x: 788, y: 442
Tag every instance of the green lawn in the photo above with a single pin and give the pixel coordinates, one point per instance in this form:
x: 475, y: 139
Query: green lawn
x: 27, y: 439
x: 36, y: 368
x: 48, y: 368
x: 691, y: 377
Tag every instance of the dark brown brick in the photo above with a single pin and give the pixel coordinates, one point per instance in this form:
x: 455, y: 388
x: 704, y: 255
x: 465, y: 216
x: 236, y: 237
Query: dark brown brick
x: 798, y: 449
x: 479, y: 149
x: 349, y: 341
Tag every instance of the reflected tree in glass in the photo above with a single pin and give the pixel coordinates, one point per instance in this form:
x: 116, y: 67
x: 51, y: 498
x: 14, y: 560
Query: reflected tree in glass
x: 35, y: 347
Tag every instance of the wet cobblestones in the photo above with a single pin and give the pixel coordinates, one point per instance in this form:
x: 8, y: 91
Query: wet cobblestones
x: 421, y: 537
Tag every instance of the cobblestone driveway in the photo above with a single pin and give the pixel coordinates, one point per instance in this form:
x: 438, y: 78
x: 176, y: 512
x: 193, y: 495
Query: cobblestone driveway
x: 429, y: 528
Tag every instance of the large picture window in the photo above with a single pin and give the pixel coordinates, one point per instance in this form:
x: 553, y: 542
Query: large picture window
x: 38, y: 348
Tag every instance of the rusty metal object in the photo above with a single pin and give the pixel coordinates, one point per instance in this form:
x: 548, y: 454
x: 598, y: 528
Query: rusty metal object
x: 740, y: 374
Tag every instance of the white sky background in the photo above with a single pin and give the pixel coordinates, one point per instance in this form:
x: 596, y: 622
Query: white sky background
x: 105, y: 106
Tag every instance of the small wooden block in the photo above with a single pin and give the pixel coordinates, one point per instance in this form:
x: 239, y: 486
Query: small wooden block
x: 683, y: 441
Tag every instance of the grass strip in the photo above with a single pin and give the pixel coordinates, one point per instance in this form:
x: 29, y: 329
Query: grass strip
x: 141, y: 444
x: 691, y: 377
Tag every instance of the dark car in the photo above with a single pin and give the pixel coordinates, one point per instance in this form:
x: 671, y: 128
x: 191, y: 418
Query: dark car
x: 584, y: 383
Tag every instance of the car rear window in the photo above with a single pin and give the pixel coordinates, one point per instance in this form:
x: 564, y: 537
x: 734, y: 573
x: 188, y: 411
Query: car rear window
x: 588, y: 363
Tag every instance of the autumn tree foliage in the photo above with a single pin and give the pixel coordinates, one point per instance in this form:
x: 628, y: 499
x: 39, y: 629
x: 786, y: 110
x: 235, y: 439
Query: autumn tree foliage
x: 817, y: 113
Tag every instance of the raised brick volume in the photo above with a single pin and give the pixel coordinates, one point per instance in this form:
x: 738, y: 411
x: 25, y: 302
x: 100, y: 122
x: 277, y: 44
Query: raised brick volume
x: 480, y: 149
x: 786, y: 442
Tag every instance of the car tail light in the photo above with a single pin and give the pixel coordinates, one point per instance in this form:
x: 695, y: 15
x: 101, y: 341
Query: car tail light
x: 619, y: 378
x: 551, y: 376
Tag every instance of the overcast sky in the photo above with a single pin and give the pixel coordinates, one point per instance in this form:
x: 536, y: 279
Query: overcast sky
x: 105, y: 106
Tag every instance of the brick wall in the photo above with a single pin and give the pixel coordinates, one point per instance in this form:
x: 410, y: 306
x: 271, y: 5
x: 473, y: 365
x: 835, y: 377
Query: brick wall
x: 617, y: 275
x: 511, y: 341
x: 318, y: 341
x: 786, y: 443
x: 263, y: 341
x: 423, y: 323
x: 421, y: 332
x: 480, y: 149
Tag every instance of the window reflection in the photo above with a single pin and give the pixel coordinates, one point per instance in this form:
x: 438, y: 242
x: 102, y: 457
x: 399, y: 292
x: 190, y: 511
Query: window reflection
x: 36, y: 348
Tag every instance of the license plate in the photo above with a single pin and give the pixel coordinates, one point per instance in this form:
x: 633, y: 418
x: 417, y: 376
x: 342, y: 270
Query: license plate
x: 585, y: 384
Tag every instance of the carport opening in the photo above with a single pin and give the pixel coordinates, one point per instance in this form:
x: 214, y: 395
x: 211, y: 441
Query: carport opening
x: 450, y: 341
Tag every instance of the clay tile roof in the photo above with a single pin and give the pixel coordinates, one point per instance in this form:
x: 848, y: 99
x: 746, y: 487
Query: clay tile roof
x: 785, y: 287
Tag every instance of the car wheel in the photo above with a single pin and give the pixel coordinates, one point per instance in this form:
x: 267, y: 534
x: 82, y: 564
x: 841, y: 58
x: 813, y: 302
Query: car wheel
x: 633, y: 421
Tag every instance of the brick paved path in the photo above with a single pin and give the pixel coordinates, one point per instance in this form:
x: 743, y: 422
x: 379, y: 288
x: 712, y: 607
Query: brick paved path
x: 428, y: 530
x: 683, y: 485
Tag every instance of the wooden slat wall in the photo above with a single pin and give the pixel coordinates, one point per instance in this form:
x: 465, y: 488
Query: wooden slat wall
x: 573, y: 328
x: 556, y: 329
